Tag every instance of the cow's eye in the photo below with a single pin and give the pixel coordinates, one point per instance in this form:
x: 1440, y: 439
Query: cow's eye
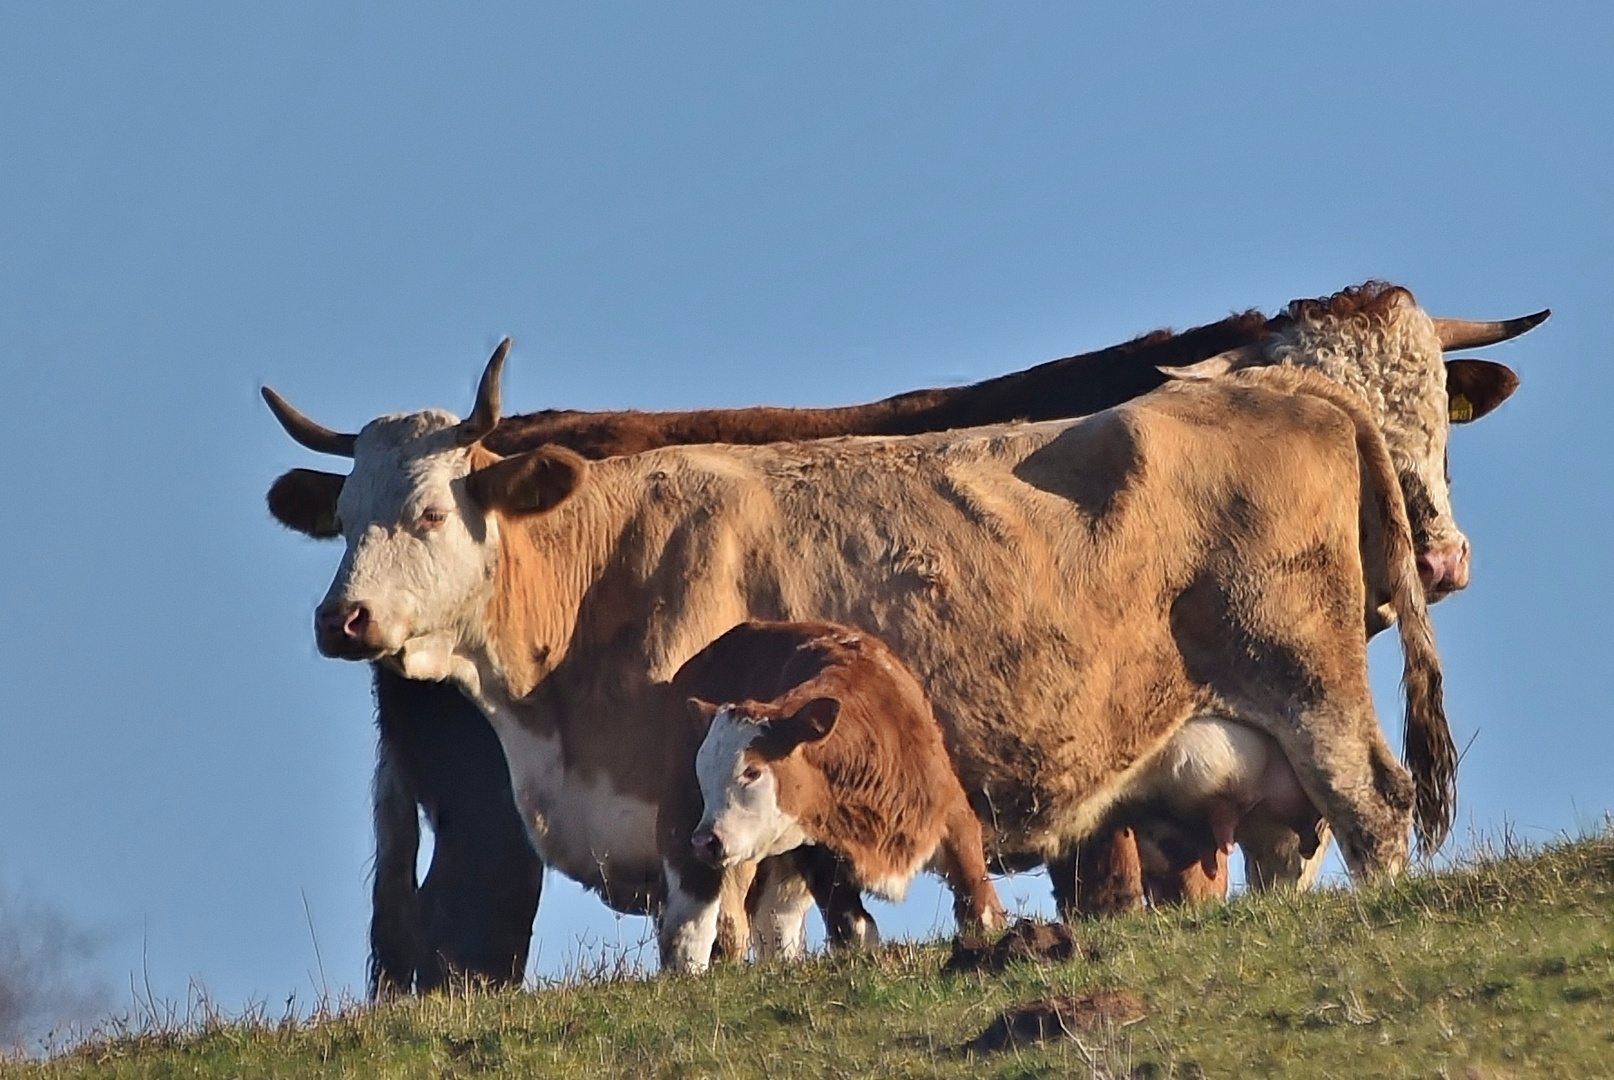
x: 431, y: 517
x: 751, y: 775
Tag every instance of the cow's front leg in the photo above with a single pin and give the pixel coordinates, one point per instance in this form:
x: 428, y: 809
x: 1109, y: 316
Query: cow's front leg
x: 1273, y: 856
x: 688, y: 924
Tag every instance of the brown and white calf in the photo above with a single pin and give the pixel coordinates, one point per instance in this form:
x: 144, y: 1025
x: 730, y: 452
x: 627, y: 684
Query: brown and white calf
x: 813, y: 734
x: 1071, y: 594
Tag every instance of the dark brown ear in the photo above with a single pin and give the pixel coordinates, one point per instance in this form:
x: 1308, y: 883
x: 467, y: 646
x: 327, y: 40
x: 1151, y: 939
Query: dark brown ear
x: 305, y: 500
x: 529, y: 483
x: 700, y: 714
x: 1475, y: 387
x: 809, y: 723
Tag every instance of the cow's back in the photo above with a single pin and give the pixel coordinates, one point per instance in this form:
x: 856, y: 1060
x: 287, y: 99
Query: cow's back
x: 1040, y: 578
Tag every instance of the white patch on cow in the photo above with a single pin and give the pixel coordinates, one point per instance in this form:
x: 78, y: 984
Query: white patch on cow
x: 584, y: 828
x: 1207, y: 758
x: 742, y: 800
x: 688, y: 927
x: 894, y: 886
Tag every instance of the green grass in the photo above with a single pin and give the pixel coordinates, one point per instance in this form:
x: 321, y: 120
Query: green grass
x: 1503, y: 968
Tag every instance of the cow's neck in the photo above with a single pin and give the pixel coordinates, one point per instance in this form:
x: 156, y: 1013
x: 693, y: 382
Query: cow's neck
x: 532, y: 614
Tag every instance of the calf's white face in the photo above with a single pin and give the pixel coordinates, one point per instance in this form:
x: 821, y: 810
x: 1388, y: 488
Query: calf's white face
x: 738, y: 766
x: 741, y: 792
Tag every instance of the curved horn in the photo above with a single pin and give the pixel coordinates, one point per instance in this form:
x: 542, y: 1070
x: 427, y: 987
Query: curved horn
x: 317, y: 437
x: 1232, y: 360
x: 486, y: 413
x: 1476, y: 334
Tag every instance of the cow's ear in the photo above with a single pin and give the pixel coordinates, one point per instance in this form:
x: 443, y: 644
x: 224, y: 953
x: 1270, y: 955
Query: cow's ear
x: 700, y: 714
x: 529, y: 483
x: 305, y: 500
x: 809, y: 723
x: 1475, y: 387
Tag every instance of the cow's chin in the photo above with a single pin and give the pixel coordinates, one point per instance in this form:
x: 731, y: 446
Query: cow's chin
x: 427, y: 659
x: 350, y: 650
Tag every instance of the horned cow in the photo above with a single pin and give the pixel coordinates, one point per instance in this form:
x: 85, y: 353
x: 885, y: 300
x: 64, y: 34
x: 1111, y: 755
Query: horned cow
x: 1071, y: 593
x: 437, y: 749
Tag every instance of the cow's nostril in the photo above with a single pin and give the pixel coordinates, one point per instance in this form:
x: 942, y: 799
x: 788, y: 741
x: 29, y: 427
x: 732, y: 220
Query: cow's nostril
x: 357, y: 621
x: 708, y: 848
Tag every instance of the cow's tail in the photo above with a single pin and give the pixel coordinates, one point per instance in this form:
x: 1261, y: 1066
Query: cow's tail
x: 1430, y: 754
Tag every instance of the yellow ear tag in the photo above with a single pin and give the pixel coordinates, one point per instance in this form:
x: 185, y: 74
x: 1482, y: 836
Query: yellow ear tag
x: 1462, y: 410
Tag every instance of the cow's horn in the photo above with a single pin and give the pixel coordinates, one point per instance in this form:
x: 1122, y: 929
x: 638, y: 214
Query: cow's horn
x: 316, y: 437
x: 1232, y: 360
x: 486, y: 413
x: 1476, y: 334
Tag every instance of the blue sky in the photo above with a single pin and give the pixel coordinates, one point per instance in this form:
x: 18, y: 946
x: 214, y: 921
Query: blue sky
x: 686, y: 205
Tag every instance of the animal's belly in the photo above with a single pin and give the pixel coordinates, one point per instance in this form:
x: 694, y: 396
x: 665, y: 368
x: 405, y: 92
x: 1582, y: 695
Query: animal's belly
x: 582, y: 826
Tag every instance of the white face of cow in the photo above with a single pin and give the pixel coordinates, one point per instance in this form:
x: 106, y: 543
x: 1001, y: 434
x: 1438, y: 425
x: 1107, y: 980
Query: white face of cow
x: 743, y: 821
x: 418, y: 569
x: 420, y: 513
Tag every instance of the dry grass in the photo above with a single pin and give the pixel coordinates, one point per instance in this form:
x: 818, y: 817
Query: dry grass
x: 1501, y: 968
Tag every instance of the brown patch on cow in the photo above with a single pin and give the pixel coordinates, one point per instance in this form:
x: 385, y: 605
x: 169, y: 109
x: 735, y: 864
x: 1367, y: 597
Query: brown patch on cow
x: 1064, y: 1017
x: 1028, y: 941
x: 1369, y: 300
x: 529, y: 483
x: 1071, y: 386
x: 1109, y: 877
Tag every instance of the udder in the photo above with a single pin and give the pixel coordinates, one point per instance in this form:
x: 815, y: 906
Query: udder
x: 1211, y: 776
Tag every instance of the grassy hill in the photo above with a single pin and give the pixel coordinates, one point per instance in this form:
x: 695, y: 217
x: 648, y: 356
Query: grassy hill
x: 1504, y: 968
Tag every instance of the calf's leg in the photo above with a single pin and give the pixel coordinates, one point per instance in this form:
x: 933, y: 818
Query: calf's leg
x: 975, y: 900
x: 847, y: 924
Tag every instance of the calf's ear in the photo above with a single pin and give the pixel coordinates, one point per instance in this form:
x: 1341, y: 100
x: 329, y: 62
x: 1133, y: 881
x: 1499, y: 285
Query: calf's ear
x: 807, y: 724
x: 305, y: 500
x: 1475, y: 387
x: 529, y: 483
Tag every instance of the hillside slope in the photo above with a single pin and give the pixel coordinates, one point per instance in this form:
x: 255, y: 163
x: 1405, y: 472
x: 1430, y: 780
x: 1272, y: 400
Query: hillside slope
x: 1504, y: 968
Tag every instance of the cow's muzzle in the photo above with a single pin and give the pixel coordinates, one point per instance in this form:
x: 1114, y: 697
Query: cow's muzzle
x: 1444, y: 570
x: 345, y: 630
x: 708, y: 847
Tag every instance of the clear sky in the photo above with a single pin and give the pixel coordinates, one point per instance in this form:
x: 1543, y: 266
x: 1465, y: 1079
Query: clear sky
x: 687, y: 205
